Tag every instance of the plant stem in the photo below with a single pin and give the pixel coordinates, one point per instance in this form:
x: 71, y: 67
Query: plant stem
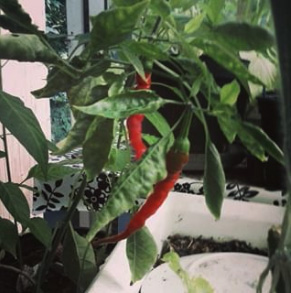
x: 50, y: 254
x: 199, y: 114
x: 26, y: 186
x: 156, y: 28
x: 18, y: 271
x: 9, y: 177
x: 119, y: 133
x: 68, y: 68
x: 167, y: 69
x: 282, y: 21
x: 5, y: 144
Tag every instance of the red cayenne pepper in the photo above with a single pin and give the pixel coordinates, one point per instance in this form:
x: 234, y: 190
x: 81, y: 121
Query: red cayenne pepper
x: 134, y: 122
x: 176, y: 158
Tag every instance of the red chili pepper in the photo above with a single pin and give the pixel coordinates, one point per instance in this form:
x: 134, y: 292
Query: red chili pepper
x: 175, y: 162
x: 134, y: 122
x: 176, y: 158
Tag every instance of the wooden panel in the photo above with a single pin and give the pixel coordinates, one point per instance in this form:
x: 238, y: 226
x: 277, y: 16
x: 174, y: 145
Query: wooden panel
x: 19, y: 79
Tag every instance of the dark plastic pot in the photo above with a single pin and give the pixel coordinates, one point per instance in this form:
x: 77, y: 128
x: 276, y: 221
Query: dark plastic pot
x: 197, y: 135
x: 270, y: 174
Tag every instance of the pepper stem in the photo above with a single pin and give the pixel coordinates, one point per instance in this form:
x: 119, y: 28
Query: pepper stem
x: 182, y: 143
x: 185, y: 124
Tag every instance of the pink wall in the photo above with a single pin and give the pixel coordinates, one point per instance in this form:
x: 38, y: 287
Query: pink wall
x: 20, y: 79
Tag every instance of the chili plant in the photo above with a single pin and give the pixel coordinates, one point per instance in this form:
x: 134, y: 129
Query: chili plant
x: 108, y: 82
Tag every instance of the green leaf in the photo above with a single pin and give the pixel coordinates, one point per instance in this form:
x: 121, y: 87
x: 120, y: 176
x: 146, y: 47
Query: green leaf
x: 148, y: 50
x: 194, y: 23
x: 8, y: 236
x: 2, y: 154
x: 76, y: 135
x: 191, y: 68
x: 141, y: 252
x: 97, y: 145
x: 132, y: 58
x: 161, y: 8
x: 97, y: 69
x: 192, y: 284
x: 229, y: 93
x: 51, y: 146
x: 116, y: 82
x: 8, y: 24
x: 226, y: 58
x: 200, y: 285
x: 135, y: 182
x: 25, y: 127
x: 125, y: 104
x: 113, y: 26
x: 86, y: 92
x: 160, y: 123
x: 228, y: 120
x: 40, y: 229
x: 150, y: 139
x: 59, y: 80
x: 244, y: 36
x: 15, y: 13
x: 264, y: 69
x: 81, y: 95
x: 184, y: 4
x: 258, y: 142
x: 79, y: 259
x: 15, y: 202
x: 125, y: 2
x: 214, y: 10
x: 214, y: 180
x: 54, y: 172
x: 118, y: 159
x: 26, y: 48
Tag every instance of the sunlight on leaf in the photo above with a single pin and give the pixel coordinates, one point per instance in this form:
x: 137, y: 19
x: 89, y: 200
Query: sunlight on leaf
x: 192, y: 284
x: 229, y: 93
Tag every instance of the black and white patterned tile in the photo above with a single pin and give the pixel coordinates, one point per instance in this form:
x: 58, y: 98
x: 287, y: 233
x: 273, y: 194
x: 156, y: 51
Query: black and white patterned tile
x: 56, y: 195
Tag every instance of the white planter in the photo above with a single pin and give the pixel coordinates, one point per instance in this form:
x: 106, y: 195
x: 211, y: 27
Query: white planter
x: 225, y: 272
x: 188, y: 215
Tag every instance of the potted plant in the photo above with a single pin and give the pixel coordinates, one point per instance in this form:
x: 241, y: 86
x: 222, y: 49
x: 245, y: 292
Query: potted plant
x: 185, y: 214
x: 108, y: 82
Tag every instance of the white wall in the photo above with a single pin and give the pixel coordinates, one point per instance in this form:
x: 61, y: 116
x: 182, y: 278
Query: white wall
x: 19, y: 79
x: 75, y: 16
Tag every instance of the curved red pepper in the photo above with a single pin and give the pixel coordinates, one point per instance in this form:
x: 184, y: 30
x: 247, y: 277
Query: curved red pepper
x: 134, y: 122
x: 175, y: 161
